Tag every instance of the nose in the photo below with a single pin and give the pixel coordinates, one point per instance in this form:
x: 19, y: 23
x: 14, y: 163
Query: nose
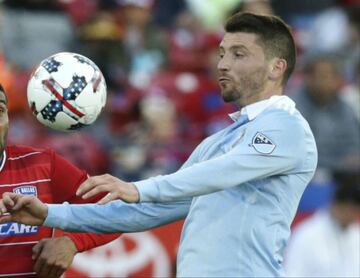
x: 223, y: 64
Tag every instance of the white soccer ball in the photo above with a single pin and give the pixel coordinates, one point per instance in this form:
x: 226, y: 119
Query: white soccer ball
x: 66, y: 91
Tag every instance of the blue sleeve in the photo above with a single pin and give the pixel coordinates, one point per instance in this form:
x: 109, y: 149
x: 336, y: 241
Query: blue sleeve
x: 115, y: 216
x: 246, y: 160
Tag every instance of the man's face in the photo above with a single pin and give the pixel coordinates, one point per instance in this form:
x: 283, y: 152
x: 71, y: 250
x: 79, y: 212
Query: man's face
x: 4, y: 122
x: 346, y: 213
x: 243, y: 70
x: 323, y: 81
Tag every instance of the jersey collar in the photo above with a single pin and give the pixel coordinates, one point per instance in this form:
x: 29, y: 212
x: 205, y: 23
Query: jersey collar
x: 254, y: 109
x: 2, y: 163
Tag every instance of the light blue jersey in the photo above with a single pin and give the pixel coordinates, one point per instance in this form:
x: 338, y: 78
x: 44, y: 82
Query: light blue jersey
x: 239, y: 192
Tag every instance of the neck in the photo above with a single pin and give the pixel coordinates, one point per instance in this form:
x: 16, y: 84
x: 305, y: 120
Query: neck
x: 257, y: 97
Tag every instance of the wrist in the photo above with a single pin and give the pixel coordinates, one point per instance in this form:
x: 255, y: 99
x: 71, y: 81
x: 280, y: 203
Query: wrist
x: 45, y: 212
x: 71, y: 244
x: 135, y: 196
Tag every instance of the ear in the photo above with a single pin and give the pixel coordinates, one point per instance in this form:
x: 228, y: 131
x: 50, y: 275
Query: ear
x: 277, y: 68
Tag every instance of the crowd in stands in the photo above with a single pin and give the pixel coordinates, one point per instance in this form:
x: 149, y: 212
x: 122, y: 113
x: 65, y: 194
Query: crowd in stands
x: 159, y: 60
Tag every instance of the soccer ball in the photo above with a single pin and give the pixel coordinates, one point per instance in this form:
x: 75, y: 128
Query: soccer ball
x: 67, y: 91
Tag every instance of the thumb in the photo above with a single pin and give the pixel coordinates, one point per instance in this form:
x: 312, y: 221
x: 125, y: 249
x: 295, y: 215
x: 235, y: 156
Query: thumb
x: 37, y: 249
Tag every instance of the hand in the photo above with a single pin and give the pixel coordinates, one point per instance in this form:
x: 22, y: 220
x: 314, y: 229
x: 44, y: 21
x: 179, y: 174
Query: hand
x: 53, y: 256
x: 117, y: 189
x: 24, y: 209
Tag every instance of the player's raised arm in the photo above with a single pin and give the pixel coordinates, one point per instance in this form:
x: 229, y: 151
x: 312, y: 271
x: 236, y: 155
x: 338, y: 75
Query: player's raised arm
x: 116, y: 188
x: 24, y: 209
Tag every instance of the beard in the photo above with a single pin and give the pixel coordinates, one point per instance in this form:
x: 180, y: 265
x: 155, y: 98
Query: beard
x: 247, y: 87
x: 3, y: 142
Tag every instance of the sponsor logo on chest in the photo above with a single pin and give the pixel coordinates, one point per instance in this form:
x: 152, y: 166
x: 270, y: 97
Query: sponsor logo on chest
x: 16, y: 229
x: 26, y: 190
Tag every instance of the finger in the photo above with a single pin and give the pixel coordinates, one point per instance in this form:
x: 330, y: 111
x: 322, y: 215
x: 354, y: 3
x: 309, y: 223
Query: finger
x: 89, y: 184
x: 37, y: 249
x: 5, y: 218
x: 3, y: 208
x: 22, y: 201
x: 59, y: 272
x: 52, y: 272
x: 97, y: 190
x: 13, y: 201
x: 40, y: 261
x: 111, y: 196
x: 8, y: 199
x: 45, y: 270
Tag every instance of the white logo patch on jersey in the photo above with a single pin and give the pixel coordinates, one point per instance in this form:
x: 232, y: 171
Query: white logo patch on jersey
x: 26, y: 190
x: 16, y: 229
x: 262, y: 144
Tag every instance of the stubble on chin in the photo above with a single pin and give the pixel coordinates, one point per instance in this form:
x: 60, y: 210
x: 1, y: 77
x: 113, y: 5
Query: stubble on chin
x: 227, y: 98
x: 227, y: 95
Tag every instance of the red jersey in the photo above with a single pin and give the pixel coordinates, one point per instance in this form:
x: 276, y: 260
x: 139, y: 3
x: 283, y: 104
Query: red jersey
x: 51, y: 178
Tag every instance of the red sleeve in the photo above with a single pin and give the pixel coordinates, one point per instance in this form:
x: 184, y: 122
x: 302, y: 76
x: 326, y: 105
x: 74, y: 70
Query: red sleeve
x: 65, y: 179
x: 87, y: 241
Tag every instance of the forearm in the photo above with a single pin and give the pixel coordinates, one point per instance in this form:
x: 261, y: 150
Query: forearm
x: 87, y: 241
x: 115, y: 216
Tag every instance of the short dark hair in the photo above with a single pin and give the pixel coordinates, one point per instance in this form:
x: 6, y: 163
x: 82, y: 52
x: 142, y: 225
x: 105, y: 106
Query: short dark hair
x: 273, y: 35
x: 2, y: 88
x: 347, y: 188
x: 3, y: 91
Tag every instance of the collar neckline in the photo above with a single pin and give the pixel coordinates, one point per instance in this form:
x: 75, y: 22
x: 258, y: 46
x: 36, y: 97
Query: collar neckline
x: 254, y: 109
x: 2, y: 163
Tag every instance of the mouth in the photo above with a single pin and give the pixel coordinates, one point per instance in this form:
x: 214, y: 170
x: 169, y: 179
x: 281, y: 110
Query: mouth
x: 224, y: 79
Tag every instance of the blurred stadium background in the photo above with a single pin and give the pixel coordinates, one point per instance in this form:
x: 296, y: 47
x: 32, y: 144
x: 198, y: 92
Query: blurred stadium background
x: 159, y: 59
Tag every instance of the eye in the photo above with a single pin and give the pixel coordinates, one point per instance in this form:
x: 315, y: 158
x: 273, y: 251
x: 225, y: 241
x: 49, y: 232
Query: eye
x: 239, y: 54
x: 221, y: 55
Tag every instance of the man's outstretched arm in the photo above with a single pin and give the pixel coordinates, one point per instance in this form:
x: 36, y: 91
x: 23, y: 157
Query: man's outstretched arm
x: 113, y: 217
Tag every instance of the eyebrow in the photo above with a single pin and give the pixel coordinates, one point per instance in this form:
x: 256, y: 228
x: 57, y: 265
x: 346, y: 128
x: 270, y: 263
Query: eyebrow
x: 237, y: 46
x: 3, y: 101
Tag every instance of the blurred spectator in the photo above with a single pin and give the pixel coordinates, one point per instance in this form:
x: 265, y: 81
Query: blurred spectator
x: 32, y: 30
x: 327, y: 243
x: 351, y: 93
x: 352, y: 52
x: 145, y: 44
x: 151, y: 146
x: 166, y: 11
x: 254, y: 6
x: 212, y: 14
x: 80, y: 11
x: 101, y: 40
x: 333, y: 123
x: 79, y: 148
x: 330, y: 31
x: 291, y: 10
x: 187, y: 43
